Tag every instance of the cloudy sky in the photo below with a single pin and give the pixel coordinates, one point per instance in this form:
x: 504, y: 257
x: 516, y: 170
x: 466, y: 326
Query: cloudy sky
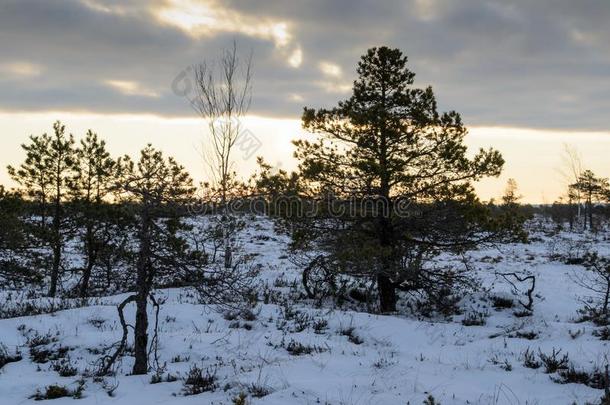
x: 527, y: 76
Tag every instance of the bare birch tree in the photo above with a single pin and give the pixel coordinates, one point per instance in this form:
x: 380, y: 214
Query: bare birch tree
x: 571, y: 171
x: 222, y: 98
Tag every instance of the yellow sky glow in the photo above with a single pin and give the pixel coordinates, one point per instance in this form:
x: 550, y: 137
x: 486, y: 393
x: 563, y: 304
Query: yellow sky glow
x: 533, y: 157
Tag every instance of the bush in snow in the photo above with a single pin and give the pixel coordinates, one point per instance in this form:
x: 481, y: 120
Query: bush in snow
x: 552, y: 362
x: 199, y: 381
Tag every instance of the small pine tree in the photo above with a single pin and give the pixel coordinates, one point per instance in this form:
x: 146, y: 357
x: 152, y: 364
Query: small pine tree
x: 511, y: 195
x: 593, y: 189
x: 12, y: 232
x: 46, y: 174
x: 156, y: 188
x: 92, y: 184
x: 14, y: 238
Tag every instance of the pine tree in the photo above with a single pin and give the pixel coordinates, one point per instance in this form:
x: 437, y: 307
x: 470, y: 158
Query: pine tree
x: 11, y: 227
x: 91, y: 187
x: 511, y: 195
x: 34, y: 174
x: 593, y: 189
x: 46, y: 175
x: 388, y: 143
x: 156, y: 188
x: 13, y: 234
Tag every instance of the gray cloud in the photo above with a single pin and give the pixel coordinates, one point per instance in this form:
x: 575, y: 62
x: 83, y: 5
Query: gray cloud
x: 542, y: 64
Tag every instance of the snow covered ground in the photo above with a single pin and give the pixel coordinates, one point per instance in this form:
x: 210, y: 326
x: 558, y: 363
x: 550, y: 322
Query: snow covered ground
x: 295, y: 353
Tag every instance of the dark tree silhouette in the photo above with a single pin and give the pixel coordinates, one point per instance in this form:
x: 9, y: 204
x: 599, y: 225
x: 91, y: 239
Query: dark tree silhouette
x: 46, y: 175
x: 92, y: 185
x: 388, y: 143
x: 592, y: 189
x: 155, y: 187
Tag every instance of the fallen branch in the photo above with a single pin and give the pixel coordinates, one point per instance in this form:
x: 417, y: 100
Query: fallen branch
x: 154, y: 346
x: 530, y: 291
x: 108, y: 361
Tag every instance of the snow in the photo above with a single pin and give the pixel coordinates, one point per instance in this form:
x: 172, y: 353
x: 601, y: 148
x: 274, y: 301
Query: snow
x: 400, y: 359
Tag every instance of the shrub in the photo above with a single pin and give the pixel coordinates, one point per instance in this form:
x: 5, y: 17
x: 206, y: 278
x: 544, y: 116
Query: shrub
x: 529, y: 359
x: 6, y: 358
x: 180, y: 359
x: 241, y: 399
x: 259, y: 391
x: 593, y: 315
x: 529, y: 335
x: 40, y: 340
x: 156, y: 378
x: 474, y: 319
x: 522, y: 314
x: 18, y: 309
x: 52, y: 392
x: 319, y: 326
x: 350, y: 332
x: 571, y: 375
x: 298, y: 349
x: 248, y: 315
x: 383, y: 362
x: 65, y: 368
x: 43, y: 355
x: 553, y: 362
x: 59, y: 391
x: 431, y: 401
x: 504, y: 364
x: 230, y: 315
x: 501, y: 302
x: 199, y: 381
x: 603, y: 333
x: 599, y: 379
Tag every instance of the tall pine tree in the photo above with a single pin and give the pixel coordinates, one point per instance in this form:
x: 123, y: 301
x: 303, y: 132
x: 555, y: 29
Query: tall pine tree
x: 388, y: 144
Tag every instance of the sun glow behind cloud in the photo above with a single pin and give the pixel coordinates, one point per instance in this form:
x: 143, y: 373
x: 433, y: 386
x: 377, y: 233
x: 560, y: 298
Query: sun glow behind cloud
x: 20, y: 69
x: 330, y: 69
x: 103, y: 7
x: 296, y: 58
x: 130, y: 88
x: 208, y: 18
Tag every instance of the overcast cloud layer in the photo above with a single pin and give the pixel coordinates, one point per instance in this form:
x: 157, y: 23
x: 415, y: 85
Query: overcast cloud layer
x: 539, y: 64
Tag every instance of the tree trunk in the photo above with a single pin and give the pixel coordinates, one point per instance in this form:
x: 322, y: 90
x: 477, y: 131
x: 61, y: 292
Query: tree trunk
x: 591, y: 213
x: 228, y: 256
x: 387, y: 294
x: 142, y: 285
x: 56, y: 237
x: 606, y: 296
x: 55, y: 269
x: 91, y: 258
x: 84, y: 287
x: 141, y: 336
x: 584, y: 216
x: 385, y: 286
x: 386, y: 289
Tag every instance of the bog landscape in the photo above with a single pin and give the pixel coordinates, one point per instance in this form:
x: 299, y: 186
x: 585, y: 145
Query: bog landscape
x: 378, y: 249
